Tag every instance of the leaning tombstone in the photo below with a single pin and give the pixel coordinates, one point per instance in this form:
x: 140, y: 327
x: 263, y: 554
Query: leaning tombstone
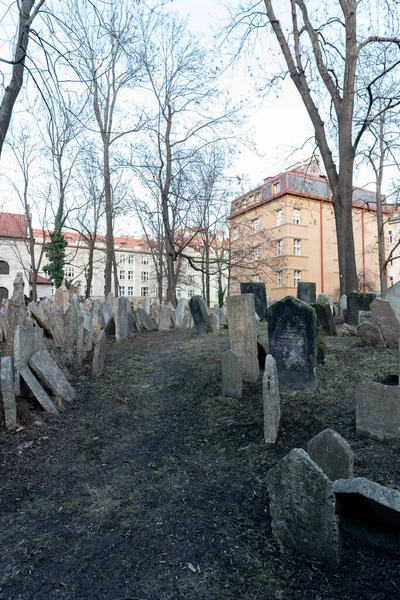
x: 73, y: 334
x: 214, y: 321
x: 392, y: 295
x: 325, y: 299
x: 121, y: 318
x: 99, y: 354
x: 166, y: 319
x: 366, y: 316
x: 324, y: 317
x: 371, y: 335
x: 145, y: 319
x: 232, y: 379
x: 378, y: 410
x: 55, y: 321
x: 357, y: 301
x: 243, y: 333
x: 271, y: 401
x: 8, y: 393
x: 389, y: 323
x: 292, y: 334
x: 306, y: 291
x: 180, y: 312
x: 260, y: 297
x: 47, y: 371
x: 16, y: 312
x: 200, y: 316
x: 332, y: 453
x: 27, y: 341
x: 61, y: 297
x: 37, y: 390
x: 87, y: 330
x: 106, y: 313
x: 302, y: 506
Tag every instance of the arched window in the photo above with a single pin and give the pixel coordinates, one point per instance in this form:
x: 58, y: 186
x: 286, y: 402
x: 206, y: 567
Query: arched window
x: 3, y: 293
x: 4, y: 268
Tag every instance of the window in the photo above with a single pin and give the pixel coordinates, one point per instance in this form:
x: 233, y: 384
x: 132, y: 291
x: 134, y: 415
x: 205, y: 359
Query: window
x: 297, y: 247
x: 145, y: 260
x: 122, y: 290
x: 130, y: 290
x: 191, y: 279
x: 390, y: 281
x: 256, y: 278
x: 144, y: 291
x: 276, y: 187
x: 191, y: 293
x: 69, y: 272
x: 131, y: 259
x: 390, y: 232
x: 178, y: 293
x: 279, y: 217
x: 236, y: 233
x: 257, y: 197
x: 296, y: 216
x: 144, y: 276
x: 256, y: 225
x: 256, y: 253
x: 121, y: 259
x: 4, y: 268
x: 122, y: 274
x: 235, y: 286
x: 297, y: 278
x: 279, y: 247
x: 279, y: 278
x: 251, y: 200
x: 244, y: 203
x: 130, y: 275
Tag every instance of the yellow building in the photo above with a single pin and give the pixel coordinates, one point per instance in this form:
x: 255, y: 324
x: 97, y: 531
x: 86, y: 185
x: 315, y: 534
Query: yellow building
x: 284, y: 231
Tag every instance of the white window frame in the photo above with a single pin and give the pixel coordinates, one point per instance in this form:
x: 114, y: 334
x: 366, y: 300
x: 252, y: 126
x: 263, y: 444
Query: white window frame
x: 144, y: 291
x: 279, y: 217
x: 256, y: 225
x: 122, y: 259
x: 256, y: 253
x: 122, y: 290
x: 297, y: 247
x: 145, y: 259
x: 296, y: 216
x: 131, y: 259
x: 279, y: 279
x: 296, y: 278
x: 122, y: 274
x: 279, y: 247
x: 191, y: 293
x: 130, y: 275
x: 69, y: 271
x: 144, y: 276
x: 276, y: 187
x: 130, y: 290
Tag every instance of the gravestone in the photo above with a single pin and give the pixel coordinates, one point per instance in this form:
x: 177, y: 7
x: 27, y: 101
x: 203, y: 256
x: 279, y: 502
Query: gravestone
x: 180, y: 312
x: 324, y: 317
x: 106, y: 313
x: 8, y: 393
x: 302, y: 506
x: 325, y: 299
x: 73, y: 334
x: 321, y: 346
x: 61, y: 297
x: 345, y: 330
x: 200, y: 316
x: 121, y: 318
x: 260, y: 297
x: 55, y: 321
x: 366, y: 316
x: 166, y: 318
x: 371, y: 335
x: 392, y: 295
x: 27, y: 341
x: 271, y: 401
x: 232, y: 374
x: 145, y: 319
x: 96, y: 325
x: 187, y: 320
x: 292, y: 334
x: 243, y: 333
x: 87, y: 330
x: 214, y: 321
x: 357, y: 301
x: 387, y: 320
x: 37, y: 390
x: 51, y: 375
x: 155, y: 310
x: 343, y: 304
x: 378, y: 410
x: 306, y: 291
x: 332, y: 453
x: 110, y: 300
x: 99, y: 354
x: 3, y: 325
x: 16, y: 312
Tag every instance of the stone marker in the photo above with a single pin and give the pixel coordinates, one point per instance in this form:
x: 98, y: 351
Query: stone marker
x: 325, y: 299
x: 87, y: 330
x: 387, y: 320
x: 260, y: 297
x: 243, y: 333
x: 302, y: 506
x: 306, y: 291
x: 55, y: 321
x: 332, y: 453
x: 214, y: 321
x: 51, y: 375
x: 366, y: 316
x: 324, y: 317
x: 96, y: 326
x: 109, y: 329
x: 154, y: 313
x: 346, y: 330
x: 27, y: 341
x: 343, y: 304
x: 392, y: 295
x: 271, y: 401
x: 378, y: 410
x: 7, y: 391
x: 200, y: 316
x: 321, y: 346
x: 16, y: 312
x: 99, y: 354
x: 187, y: 320
x: 145, y: 319
x: 180, y: 312
x: 357, y: 301
x: 371, y: 335
x: 232, y: 374
x: 37, y: 390
x: 167, y: 317
x: 73, y: 333
x: 292, y: 334
x: 61, y: 297
x: 110, y: 300
x: 106, y: 313
x: 121, y: 318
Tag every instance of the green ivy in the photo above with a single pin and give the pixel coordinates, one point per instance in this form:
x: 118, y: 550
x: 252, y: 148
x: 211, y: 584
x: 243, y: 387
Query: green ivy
x: 55, y: 252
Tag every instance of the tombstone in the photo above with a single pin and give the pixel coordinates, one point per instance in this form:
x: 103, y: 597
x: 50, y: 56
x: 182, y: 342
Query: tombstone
x: 61, y: 297
x: 166, y: 319
x: 96, y: 324
x: 302, y: 506
x: 223, y: 317
x: 378, y: 410
x: 321, y: 346
x: 131, y: 320
x: 345, y: 330
x: 366, y: 316
x: 371, y: 335
x: 27, y: 341
x: 343, y: 304
x: 55, y: 321
x: 87, y: 330
x: 3, y: 325
x: 73, y: 333
x: 110, y: 300
x: 232, y: 374
x: 214, y: 321
x: 154, y: 313
x: 260, y: 297
x: 324, y: 317
x: 187, y: 322
x: 99, y: 354
x: 106, y: 313
x: 388, y: 321
x: 200, y: 316
x: 332, y: 453
x: 16, y: 312
x: 292, y: 334
x: 325, y: 299
x: 37, y: 390
x: 145, y: 319
x: 306, y: 291
x: 392, y: 295
x: 47, y: 371
x: 121, y: 318
x: 357, y: 301
x: 8, y: 393
x: 243, y: 333
x: 271, y: 401
x: 180, y: 312
x: 109, y: 329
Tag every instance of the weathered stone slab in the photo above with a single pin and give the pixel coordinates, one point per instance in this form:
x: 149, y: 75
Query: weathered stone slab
x: 371, y: 335
x: 155, y: 310
x: 271, y: 401
x: 180, y: 312
x: 109, y: 329
x: 325, y: 299
x: 324, y: 317
x: 392, y: 295
x: 61, y: 297
x: 200, y: 316
x: 96, y: 320
x: 87, y: 330
x: 387, y: 320
x: 332, y: 453
x: 302, y: 506
x: 47, y: 371
x: 110, y: 300
x: 106, y: 313
x: 166, y: 317
x: 292, y: 335
x: 37, y: 390
x: 27, y: 341
x: 3, y: 326
x: 146, y: 320
x: 378, y: 410
x: 260, y: 297
x: 187, y: 320
x: 214, y: 321
x: 121, y: 318
x: 232, y: 374
x: 357, y: 301
x: 306, y: 291
x: 16, y: 312
x: 243, y: 333
x: 55, y: 322
x: 73, y: 333
x: 366, y: 316
x: 8, y: 393
x: 99, y: 354
x: 346, y: 330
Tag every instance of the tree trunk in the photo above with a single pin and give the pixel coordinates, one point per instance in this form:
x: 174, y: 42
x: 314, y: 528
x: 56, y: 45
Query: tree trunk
x: 89, y: 277
x: 109, y: 220
x: 115, y: 272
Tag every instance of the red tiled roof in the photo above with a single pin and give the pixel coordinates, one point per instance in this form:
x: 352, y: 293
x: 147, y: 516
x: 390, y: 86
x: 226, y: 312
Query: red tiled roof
x: 12, y: 225
x: 40, y: 280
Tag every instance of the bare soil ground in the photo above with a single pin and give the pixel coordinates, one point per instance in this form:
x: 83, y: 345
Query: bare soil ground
x: 152, y: 486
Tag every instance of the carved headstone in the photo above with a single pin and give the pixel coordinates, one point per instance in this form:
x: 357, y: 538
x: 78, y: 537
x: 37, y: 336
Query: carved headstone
x: 16, y: 312
x: 121, y: 318
x: 378, y: 410
x: 260, y: 297
x: 387, y: 320
x: 73, y: 334
x: 47, y: 371
x: 145, y: 319
x: 180, y: 312
x: 271, y: 401
x: 8, y: 393
x: 306, y: 291
x: 99, y: 354
x: 61, y: 297
x: 357, y: 301
x: 371, y: 335
x: 200, y: 316
x: 243, y: 333
x: 232, y: 379
x: 332, y: 453
x: 324, y: 317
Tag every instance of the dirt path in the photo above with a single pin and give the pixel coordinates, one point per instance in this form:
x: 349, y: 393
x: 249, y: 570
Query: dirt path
x: 152, y: 487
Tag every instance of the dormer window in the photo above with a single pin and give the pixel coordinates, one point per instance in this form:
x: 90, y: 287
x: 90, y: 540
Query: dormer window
x: 276, y: 187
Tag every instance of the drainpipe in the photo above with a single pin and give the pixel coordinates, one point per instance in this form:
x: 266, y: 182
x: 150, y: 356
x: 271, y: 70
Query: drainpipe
x: 363, y: 247
x: 321, y: 243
